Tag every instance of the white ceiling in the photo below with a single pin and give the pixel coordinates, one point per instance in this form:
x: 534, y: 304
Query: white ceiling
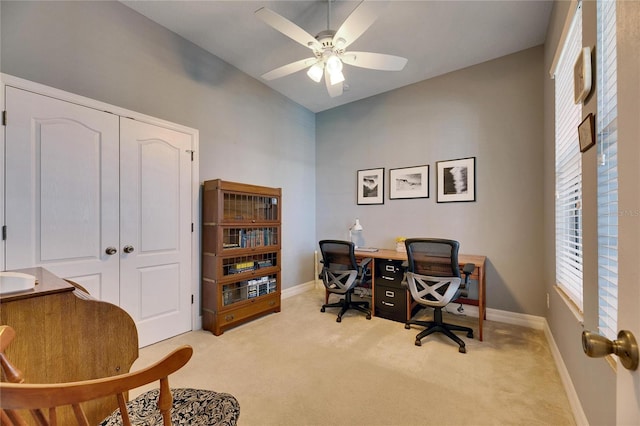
x: 435, y: 36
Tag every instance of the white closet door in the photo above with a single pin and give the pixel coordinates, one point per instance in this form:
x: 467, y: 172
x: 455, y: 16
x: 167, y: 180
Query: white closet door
x: 155, y: 227
x: 62, y: 190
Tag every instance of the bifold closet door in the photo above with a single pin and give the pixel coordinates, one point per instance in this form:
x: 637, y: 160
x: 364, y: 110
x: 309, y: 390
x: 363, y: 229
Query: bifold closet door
x: 62, y: 190
x: 155, y: 229
x: 104, y: 201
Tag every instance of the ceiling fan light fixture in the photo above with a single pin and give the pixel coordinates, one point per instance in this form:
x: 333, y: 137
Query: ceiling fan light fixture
x: 316, y: 71
x: 334, y: 64
x: 336, y: 77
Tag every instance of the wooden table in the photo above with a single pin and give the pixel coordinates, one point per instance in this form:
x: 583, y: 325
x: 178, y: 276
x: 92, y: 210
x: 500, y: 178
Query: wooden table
x: 478, y: 274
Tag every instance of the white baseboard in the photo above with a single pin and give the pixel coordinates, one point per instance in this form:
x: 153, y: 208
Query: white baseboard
x: 300, y: 288
x: 576, y: 407
x: 498, y: 315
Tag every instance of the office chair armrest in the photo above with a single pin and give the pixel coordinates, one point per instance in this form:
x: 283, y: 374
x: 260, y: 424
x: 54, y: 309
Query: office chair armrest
x: 362, y: 266
x: 365, y: 262
x: 468, y: 270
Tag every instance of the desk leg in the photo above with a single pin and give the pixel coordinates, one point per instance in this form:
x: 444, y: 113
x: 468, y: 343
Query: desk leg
x: 482, y: 301
x: 372, y: 265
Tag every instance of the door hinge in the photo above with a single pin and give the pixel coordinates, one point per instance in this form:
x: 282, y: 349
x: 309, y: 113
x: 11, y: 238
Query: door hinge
x: 4, y: 232
x: 190, y: 151
x: 4, y: 118
x: 192, y: 299
x: 191, y: 226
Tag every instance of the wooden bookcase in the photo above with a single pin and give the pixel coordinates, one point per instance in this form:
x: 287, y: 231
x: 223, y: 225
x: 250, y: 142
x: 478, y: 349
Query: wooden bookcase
x: 240, y: 253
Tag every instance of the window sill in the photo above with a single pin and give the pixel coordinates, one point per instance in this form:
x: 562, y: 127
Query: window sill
x: 571, y: 305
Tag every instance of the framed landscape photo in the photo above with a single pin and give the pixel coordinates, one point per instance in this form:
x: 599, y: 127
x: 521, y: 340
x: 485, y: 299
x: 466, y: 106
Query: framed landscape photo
x: 371, y: 186
x: 409, y: 182
x: 456, y: 180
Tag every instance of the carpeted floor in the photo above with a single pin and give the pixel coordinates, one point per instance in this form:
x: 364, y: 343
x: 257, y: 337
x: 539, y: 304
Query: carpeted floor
x: 301, y: 367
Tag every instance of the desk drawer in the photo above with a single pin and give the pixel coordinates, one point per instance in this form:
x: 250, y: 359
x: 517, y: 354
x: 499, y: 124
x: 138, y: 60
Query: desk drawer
x: 389, y: 273
x: 391, y: 303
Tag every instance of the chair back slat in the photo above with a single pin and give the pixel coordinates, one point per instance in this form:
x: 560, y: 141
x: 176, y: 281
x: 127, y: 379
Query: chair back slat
x: 124, y: 414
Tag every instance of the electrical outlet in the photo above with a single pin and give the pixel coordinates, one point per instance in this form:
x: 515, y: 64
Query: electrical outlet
x: 547, y: 300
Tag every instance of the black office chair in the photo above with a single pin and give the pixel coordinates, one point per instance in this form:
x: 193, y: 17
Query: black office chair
x: 341, y: 274
x: 433, y: 277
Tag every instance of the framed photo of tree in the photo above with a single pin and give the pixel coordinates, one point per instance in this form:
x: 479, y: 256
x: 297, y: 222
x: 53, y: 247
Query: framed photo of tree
x: 456, y: 180
x: 371, y: 186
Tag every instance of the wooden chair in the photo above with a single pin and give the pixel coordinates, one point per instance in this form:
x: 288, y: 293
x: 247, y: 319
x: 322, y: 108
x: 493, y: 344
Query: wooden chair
x: 43, y: 399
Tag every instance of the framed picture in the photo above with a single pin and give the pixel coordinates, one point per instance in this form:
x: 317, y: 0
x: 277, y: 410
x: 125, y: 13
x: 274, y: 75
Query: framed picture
x: 409, y: 182
x: 586, y: 133
x: 371, y: 186
x: 456, y: 180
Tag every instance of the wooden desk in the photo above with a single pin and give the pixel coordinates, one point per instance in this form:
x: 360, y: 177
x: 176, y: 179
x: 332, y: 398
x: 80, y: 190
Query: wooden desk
x: 64, y: 335
x: 478, y: 274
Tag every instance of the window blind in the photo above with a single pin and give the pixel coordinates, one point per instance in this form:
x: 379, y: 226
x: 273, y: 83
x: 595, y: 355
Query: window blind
x: 607, y: 136
x: 568, y: 168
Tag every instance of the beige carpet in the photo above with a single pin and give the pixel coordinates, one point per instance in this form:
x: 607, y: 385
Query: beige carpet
x: 301, y: 367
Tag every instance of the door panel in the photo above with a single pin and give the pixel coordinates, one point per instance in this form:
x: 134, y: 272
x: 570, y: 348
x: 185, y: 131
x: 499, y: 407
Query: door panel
x: 155, y: 193
x: 60, y: 159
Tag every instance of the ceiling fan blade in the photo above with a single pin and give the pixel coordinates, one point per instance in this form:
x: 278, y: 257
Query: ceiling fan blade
x: 375, y: 61
x: 360, y: 19
x: 333, y: 89
x: 289, y: 68
x: 287, y: 28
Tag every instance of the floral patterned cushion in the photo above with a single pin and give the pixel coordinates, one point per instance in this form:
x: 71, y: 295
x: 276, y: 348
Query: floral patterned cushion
x: 190, y: 407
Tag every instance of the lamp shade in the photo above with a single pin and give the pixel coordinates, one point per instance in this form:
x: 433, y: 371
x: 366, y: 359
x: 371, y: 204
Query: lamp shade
x: 315, y: 72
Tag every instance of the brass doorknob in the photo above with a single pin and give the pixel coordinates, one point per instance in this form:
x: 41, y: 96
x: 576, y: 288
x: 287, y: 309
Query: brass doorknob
x: 111, y: 251
x: 625, y: 346
x: 128, y: 249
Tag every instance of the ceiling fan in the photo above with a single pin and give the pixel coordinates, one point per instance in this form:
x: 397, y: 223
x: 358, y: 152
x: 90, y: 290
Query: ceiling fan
x: 329, y: 46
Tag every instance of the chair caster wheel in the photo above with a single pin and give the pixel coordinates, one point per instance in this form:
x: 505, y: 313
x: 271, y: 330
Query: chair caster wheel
x: 322, y: 309
x: 418, y: 343
x: 407, y: 326
x: 339, y: 319
x: 368, y: 316
x: 470, y: 334
x: 462, y: 350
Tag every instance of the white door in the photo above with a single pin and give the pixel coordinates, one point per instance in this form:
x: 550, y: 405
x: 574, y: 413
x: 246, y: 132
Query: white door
x: 62, y: 203
x: 628, y: 66
x: 155, y: 229
x: 82, y: 186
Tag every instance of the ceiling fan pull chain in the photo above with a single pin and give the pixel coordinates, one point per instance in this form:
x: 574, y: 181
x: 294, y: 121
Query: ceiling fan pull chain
x: 329, y: 15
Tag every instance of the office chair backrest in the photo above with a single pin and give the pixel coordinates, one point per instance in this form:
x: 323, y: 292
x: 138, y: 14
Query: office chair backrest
x: 338, y: 252
x: 434, y: 257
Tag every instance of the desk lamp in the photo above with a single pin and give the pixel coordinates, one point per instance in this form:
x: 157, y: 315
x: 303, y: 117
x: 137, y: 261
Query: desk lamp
x: 356, y: 227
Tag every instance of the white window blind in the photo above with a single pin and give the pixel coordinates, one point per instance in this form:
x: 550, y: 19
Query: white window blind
x: 607, y: 136
x: 568, y: 116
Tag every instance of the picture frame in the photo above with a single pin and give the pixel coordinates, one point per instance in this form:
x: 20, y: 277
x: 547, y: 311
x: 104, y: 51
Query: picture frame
x: 456, y: 180
x: 586, y: 132
x: 409, y: 182
x: 370, y: 184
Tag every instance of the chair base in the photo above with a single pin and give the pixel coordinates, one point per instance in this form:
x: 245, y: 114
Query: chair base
x: 440, y: 327
x: 347, y: 304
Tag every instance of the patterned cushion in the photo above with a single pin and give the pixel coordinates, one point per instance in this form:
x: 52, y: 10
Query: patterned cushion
x: 190, y: 407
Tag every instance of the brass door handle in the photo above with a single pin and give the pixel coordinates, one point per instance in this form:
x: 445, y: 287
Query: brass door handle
x: 625, y: 346
x: 111, y: 251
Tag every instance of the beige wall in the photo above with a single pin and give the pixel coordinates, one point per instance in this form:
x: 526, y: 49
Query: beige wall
x: 248, y: 132
x: 492, y: 111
